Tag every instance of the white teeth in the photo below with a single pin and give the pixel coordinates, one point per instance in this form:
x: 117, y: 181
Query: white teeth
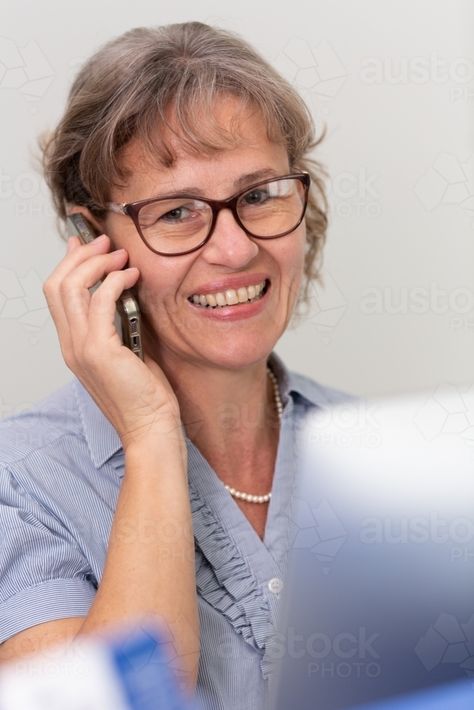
x: 242, y: 295
x: 230, y: 297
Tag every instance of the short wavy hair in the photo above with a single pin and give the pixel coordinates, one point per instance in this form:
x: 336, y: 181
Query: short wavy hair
x: 127, y: 89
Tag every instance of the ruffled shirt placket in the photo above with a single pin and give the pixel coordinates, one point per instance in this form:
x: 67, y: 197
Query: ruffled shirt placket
x: 234, y: 567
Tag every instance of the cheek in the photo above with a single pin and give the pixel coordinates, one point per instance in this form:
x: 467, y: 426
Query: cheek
x: 161, y: 287
x: 292, y: 257
x: 157, y: 286
x: 150, y: 297
x: 295, y: 267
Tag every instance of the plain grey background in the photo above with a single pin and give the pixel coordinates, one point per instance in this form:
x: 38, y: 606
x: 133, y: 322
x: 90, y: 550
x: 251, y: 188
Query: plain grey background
x: 392, y: 81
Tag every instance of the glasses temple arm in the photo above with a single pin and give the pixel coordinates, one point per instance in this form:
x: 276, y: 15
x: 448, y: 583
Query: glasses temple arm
x: 118, y: 207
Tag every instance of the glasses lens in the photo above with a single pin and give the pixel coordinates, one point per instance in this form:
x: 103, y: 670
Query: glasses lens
x: 272, y: 208
x: 175, y: 225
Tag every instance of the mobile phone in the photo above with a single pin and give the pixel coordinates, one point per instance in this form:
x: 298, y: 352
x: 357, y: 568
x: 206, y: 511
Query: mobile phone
x: 127, y: 305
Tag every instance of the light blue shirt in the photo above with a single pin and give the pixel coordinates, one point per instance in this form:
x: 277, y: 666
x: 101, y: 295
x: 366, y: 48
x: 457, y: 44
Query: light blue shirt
x: 61, y: 466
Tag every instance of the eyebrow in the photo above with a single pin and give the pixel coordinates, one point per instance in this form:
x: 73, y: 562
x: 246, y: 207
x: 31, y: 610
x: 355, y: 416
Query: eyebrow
x: 241, y: 182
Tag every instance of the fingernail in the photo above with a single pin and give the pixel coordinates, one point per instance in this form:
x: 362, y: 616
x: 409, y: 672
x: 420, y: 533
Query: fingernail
x: 102, y: 238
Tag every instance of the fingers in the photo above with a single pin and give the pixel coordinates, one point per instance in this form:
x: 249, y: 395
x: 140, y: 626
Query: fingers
x: 72, y: 243
x: 81, y: 318
x: 129, y: 393
x: 76, y: 253
x: 74, y: 287
x: 100, y: 326
x: 67, y: 289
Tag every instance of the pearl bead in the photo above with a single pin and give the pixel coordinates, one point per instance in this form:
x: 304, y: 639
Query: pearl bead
x: 250, y: 497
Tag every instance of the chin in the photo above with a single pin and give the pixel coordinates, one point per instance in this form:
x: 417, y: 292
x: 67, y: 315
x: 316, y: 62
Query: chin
x: 240, y: 357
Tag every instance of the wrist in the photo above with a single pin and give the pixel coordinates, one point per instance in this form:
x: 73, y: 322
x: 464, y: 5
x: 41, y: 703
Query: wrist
x: 164, y: 443
x: 161, y: 428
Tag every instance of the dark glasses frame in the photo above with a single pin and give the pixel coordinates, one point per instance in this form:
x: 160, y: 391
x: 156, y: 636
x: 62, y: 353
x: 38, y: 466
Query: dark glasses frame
x: 132, y: 210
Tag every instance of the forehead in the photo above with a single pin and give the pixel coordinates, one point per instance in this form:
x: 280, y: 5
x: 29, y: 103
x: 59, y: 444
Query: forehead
x: 233, y: 136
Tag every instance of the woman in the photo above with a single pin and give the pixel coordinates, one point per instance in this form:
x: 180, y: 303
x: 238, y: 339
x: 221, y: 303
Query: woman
x: 162, y: 486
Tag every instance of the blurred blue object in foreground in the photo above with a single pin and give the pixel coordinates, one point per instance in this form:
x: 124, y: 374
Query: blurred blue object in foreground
x: 454, y: 696
x: 130, y: 668
x: 143, y: 668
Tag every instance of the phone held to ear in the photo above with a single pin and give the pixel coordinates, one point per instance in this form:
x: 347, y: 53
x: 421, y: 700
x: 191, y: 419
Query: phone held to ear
x: 127, y: 305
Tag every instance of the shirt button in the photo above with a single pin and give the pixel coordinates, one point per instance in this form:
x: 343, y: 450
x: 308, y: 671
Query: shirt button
x: 275, y: 585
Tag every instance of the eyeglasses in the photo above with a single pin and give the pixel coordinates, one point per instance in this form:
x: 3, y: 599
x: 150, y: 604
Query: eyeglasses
x: 182, y: 223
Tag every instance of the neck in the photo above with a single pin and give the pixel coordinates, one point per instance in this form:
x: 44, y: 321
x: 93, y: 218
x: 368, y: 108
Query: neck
x: 229, y: 415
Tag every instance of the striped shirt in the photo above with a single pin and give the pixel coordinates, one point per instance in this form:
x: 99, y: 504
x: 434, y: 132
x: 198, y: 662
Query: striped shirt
x: 61, y: 466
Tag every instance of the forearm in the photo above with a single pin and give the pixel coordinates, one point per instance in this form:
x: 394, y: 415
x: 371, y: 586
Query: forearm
x: 150, y: 567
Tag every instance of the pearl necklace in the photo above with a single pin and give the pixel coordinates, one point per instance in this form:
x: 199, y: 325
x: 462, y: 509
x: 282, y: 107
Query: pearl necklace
x: 249, y: 497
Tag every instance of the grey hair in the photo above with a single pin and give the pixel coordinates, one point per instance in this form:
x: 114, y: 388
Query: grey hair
x: 128, y: 89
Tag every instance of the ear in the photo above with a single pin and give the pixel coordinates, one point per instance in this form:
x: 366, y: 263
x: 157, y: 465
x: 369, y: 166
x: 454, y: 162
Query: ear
x: 87, y: 214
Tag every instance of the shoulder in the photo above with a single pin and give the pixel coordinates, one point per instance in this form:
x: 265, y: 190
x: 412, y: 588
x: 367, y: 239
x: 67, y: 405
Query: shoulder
x: 58, y: 471
x: 47, y: 513
x: 305, y: 388
x: 41, y: 426
x: 47, y: 447
x: 318, y: 394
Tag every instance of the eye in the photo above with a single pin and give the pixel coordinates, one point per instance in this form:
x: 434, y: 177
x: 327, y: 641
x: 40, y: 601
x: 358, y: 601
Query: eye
x: 172, y: 213
x: 176, y: 215
x: 257, y: 196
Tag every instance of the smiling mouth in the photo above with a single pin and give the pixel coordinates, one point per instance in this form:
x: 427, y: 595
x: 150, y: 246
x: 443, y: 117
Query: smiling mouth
x: 231, y: 297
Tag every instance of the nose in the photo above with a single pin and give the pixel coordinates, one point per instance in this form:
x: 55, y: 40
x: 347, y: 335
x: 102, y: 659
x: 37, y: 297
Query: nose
x: 228, y: 243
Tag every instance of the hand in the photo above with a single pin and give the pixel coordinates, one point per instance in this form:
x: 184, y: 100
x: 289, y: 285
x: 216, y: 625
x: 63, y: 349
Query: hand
x: 133, y: 394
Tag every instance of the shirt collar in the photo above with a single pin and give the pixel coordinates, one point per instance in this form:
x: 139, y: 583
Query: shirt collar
x: 303, y: 387
x: 103, y: 441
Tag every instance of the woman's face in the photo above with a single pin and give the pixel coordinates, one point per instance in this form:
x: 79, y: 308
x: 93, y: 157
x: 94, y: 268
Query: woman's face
x: 234, y: 336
